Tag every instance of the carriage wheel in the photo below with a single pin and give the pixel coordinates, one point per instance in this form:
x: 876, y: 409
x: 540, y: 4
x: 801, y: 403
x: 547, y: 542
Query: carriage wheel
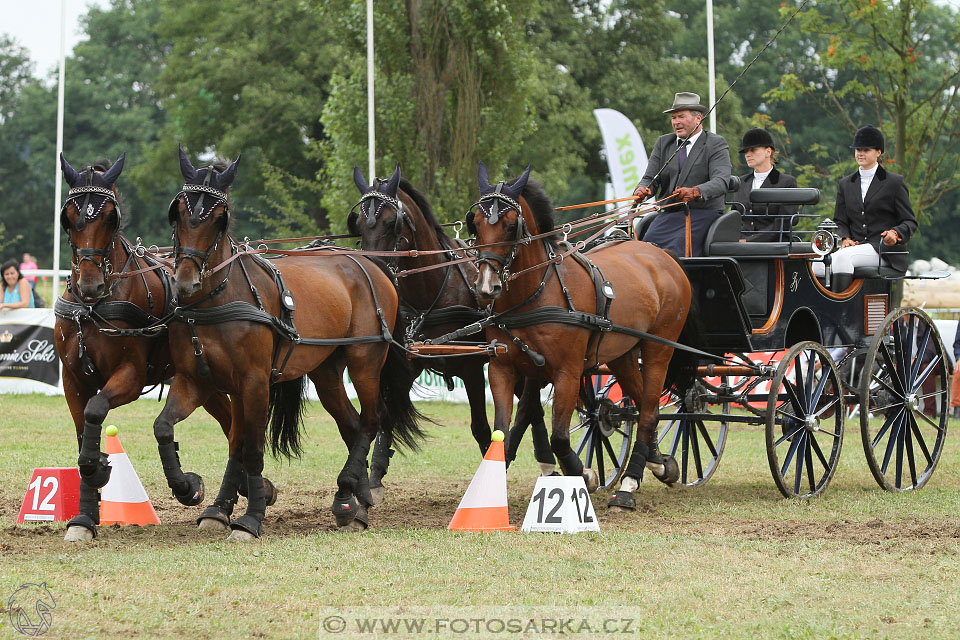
x: 804, y: 421
x: 608, y: 421
x: 903, y: 419
x: 695, y: 444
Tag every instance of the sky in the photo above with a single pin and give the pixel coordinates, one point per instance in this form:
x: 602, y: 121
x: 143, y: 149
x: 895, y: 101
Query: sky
x: 36, y: 26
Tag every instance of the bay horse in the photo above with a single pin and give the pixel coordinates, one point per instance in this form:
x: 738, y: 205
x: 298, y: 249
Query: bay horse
x: 569, y: 315
x: 393, y: 215
x: 107, y: 333
x: 254, y: 329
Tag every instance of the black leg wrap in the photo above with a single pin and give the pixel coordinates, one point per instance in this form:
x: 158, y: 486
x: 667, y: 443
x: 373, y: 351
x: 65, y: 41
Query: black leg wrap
x: 570, y: 463
x: 176, y: 479
x: 362, y: 492
x: 85, y: 521
x: 344, y: 509
x: 541, y: 444
x: 94, y: 465
x: 89, y: 512
x: 380, y: 462
x: 215, y: 512
x: 638, y: 460
x: 252, y: 520
x: 623, y: 500
x: 226, y: 500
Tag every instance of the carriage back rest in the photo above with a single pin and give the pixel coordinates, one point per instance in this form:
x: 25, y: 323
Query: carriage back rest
x: 774, y: 195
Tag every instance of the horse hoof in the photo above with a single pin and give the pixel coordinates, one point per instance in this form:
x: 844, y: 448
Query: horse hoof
x: 591, y: 479
x: 671, y: 471
x: 344, y: 511
x: 212, y: 524
x: 622, y: 501
x: 78, y: 534
x: 194, y: 494
x: 240, y: 535
x: 270, y: 491
x: 376, y: 495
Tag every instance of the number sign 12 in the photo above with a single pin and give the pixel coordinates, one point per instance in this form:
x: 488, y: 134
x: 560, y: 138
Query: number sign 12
x: 560, y: 504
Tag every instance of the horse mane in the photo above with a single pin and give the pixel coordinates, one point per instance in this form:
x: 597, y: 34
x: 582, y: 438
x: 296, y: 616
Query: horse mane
x: 421, y: 201
x: 540, y: 205
x: 100, y: 165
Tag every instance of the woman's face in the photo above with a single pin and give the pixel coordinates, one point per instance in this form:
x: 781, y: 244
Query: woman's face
x: 758, y: 158
x: 866, y: 158
x: 10, y: 276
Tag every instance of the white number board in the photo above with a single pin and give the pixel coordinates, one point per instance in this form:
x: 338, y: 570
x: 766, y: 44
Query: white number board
x: 560, y: 504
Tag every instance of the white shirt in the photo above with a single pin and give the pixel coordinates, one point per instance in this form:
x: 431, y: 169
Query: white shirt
x: 758, y: 178
x: 866, y: 177
x: 692, y: 140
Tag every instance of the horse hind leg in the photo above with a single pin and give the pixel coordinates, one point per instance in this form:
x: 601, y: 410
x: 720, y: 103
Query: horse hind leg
x: 181, y: 401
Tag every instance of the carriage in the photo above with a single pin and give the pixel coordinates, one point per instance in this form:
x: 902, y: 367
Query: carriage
x: 797, y: 358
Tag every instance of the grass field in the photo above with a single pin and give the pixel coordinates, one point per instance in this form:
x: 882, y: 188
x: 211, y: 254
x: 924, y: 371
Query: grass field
x: 730, y: 559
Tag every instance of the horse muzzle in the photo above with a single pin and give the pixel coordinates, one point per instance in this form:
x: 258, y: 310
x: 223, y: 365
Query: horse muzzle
x: 489, y: 286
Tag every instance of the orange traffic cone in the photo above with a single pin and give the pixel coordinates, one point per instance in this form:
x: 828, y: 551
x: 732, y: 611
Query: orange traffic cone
x: 123, y: 499
x: 484, y: 505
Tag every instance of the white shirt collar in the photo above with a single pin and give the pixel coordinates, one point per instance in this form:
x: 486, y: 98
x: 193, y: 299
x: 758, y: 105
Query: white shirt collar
x: 869, y: 173
x: 692, y: 140
x: 758, y: 177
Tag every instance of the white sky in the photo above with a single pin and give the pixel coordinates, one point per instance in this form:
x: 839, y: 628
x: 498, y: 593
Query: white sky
x: 35, y: 25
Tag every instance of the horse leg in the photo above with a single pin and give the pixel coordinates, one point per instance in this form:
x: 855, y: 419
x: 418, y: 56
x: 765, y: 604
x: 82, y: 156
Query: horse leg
x: 254, y: 399
x: 182, y: 399
x: 566, y: 390
x: 647, y: 386
x: 530, y: 412
x: 84, y: 525
x: 352, y: 499
x: 216, y: 517
x: 473, y: 384
x: 520, y: 424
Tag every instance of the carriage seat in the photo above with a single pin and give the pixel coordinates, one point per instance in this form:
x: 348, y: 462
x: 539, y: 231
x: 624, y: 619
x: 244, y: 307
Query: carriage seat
x: 877, y: 271
x: 723, y: 237
x: 641, y: 224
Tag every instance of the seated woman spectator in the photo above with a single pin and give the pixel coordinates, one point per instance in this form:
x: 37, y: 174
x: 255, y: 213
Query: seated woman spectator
x: 873, y: 214
x: 16, y: 291
x: 763, y: 222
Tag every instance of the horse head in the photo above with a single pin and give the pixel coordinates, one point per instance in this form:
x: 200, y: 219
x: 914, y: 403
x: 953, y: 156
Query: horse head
x: 381, y: 220
x: 497, y: 220
x: 200, y: 216
x: 90, y: 217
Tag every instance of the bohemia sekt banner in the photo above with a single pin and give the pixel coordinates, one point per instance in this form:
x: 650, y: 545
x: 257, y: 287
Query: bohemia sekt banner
x: 26, y: 345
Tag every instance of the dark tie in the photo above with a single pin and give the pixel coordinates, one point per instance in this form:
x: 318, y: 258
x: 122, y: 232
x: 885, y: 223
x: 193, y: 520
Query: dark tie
x: 682, y: 156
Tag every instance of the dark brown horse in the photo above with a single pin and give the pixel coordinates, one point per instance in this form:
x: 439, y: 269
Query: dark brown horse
x: 550, y: 311
x: 107, y: 357
x: 254, y: 329
x: 394, y: 216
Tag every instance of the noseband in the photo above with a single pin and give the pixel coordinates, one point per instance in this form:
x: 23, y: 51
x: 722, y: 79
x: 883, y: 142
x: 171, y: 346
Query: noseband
x: 198, y: 215
x: 490, y: 205
x: 89, y: 213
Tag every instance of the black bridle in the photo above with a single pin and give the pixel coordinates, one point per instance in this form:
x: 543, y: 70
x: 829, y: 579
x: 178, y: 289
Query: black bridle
x: 87, y: 212
x: 489, y: 205
x: 197, y: 215
x: 402, y: 218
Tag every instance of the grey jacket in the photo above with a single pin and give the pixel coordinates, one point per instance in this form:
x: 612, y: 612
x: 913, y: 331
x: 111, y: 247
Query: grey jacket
x: 707, y: 167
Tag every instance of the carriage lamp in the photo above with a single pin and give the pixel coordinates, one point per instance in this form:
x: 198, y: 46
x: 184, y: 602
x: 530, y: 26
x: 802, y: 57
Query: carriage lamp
x: 825, y: 238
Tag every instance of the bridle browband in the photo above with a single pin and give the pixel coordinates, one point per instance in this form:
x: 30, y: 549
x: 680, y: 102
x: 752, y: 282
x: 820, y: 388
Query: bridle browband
x: 489, y: 205
x: 197, y: 216
x: 370, y: 218
x: 88, y: 213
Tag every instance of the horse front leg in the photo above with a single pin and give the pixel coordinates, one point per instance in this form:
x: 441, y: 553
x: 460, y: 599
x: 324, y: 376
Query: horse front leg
x: 216, y: 517
x: 530, y: 414
x: 566, y: 390
x: 503, y: 380
x: 474, y: 385
x: 353, y: 497
x: 254, y: 403
x: 184, y: 397
x: 84, y: 525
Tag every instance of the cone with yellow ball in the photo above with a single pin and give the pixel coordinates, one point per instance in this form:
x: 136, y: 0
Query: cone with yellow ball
x: 123, y: 500
x: 484, y: 505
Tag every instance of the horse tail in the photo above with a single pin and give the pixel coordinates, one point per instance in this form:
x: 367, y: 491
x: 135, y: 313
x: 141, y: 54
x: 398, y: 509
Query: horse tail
x: 398, y: 415
x: 683, y: 365
x: 285, y: 417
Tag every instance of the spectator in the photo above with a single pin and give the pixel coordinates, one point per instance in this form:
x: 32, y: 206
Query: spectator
x: 29, y: 262
x: 955, y: 386
x: 16, y: 291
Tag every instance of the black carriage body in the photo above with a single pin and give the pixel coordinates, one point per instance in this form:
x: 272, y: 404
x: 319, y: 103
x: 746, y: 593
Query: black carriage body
x: 768, y: 303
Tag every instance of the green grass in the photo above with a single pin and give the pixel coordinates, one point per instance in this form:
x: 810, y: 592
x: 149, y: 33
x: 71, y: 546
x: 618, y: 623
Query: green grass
x: 729, y: 559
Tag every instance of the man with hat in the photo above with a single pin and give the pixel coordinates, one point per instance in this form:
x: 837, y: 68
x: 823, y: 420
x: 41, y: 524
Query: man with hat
x: 873, y: 214
x: 689, y: 166
x: 763, y: 222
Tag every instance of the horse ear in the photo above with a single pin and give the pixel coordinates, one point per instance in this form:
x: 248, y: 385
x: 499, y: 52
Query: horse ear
x: 352, y: 226
x: 483, y: 178
x: 359, y: 180
x: 225, y: 179
x: 521, y: 182
x: 187, y: 169
x: 471, y: 227
x: 394, y: 183
x: 69, y: 173
x: 110, y: 175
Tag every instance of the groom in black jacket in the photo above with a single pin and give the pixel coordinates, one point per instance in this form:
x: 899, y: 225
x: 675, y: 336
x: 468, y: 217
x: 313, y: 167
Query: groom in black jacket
x: 690, y: 166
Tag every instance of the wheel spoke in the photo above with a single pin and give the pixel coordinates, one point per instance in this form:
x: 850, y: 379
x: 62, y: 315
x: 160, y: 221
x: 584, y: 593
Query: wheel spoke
x: 798, y: 404
x: 812, y: 358
x: 908, y: 350
x: 798, y: 473
x: 927, y: 418
x: 587, y: 436
x: 695, y: 441
x: 624, y: 433
x: 793, y: 392
x: 921, y: 349
x: 789, y: 458
x: 892, y: 441
x: 900, y: 438
x: 876, y: 378
x: 826, y: 407
x: 809, y: 459
x: 707, y: 439
x: 780, y: 410
x: 908, y: 439
x: 610, y: 452
x: 787, y: 436
x: 920, y: 441
x: 918, y: 382
x: 886, y: 425
x: 600, y: 471
x: 891, y: 369
x: 816, y: 448
x: 821, y: 384
x: 685, y: 451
